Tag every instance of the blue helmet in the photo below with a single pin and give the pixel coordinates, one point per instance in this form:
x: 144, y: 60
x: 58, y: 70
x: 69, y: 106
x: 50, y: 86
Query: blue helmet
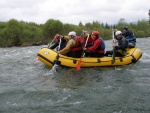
x: 84, y: 32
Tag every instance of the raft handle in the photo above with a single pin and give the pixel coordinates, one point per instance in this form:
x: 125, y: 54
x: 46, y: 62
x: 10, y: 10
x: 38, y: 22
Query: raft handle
x: 121, y: 60
x: 74, y: 61
x: 134, y: 59
x: 99, y: 60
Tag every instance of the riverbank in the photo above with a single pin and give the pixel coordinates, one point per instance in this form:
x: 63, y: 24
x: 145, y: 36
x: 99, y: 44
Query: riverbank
x: 33, y: 44
x: 27, y: 44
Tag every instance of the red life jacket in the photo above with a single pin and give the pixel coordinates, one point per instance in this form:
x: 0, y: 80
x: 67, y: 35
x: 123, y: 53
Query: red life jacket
x: 100, y: 48
x: 78, y: 45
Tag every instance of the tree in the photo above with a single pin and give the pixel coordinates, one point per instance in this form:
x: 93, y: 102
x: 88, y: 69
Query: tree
x: 80, y: 24
x: 68, y: 28
x: 13, y: 32
x: 88, y: 26
x: 52, y: 27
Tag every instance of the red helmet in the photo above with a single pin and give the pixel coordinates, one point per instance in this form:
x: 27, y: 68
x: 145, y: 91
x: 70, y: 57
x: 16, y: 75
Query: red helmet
x: 96, y: 33
x: 57, y: 37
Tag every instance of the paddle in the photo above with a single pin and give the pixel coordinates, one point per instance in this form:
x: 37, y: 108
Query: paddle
x: 57, y: 57
x: 51, y: 42
x: 83, y: 54
x: 56, y: 62
x: 113, y: 55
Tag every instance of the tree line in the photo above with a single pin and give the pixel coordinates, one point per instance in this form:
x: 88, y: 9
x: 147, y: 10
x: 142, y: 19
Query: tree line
x: 20, y: 33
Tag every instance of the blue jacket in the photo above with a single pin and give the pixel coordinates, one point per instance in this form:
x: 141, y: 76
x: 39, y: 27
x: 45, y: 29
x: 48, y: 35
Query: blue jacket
x: 129, y: 36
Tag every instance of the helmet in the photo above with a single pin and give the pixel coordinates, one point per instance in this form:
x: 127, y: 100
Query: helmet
x: 96, y: 33
x: 125, y: 27
x: 57, y: 37
x: 72, y: 33
x: 84, y: 32
x: 118, y: 33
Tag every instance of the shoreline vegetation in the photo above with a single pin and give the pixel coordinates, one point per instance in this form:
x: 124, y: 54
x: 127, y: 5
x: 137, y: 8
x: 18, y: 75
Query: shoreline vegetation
x: 22, y: 34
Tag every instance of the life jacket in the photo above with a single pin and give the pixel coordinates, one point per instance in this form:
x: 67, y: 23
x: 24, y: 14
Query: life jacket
x: 131, y: 37
x: 78, y: 45
x: 102, y: 46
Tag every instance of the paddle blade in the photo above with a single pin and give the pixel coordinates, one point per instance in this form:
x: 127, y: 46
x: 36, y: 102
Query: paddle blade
x: 37, y: 60
x: 79, y: 64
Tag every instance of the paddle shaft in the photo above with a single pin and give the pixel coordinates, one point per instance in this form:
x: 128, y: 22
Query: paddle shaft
x: 51, y: 42
x: 59, y: 44
x: 57, y: 57
x: 114, y: 43
x: 86, y: 41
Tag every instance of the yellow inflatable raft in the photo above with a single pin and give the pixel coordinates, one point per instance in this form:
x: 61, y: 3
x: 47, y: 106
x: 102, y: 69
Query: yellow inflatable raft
x: 48, y: 57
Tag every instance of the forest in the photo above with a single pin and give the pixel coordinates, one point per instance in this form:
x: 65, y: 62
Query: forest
x: 20, y: 33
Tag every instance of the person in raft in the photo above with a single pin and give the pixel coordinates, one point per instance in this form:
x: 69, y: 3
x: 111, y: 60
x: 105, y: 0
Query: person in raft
x: 74, y: 46
x: 129, y: 35
x: 63, y: 42
x: 86, y: 36
x: 98, y: 47
x: 122, y: 47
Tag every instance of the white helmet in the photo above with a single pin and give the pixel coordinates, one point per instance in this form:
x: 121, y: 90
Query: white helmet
x: 118, y: 33
x: 72, y: 33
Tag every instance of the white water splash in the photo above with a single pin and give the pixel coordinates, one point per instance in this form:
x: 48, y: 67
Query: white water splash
x: 53, y: 70
x: 145, y: 56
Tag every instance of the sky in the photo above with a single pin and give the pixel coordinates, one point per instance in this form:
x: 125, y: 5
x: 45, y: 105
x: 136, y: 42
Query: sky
x: 74, y: 11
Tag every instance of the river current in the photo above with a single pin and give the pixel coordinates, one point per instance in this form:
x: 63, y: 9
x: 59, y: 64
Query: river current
x: 27, y: 86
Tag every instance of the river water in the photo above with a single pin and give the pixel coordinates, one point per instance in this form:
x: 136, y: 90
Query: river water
x: 27, y: 86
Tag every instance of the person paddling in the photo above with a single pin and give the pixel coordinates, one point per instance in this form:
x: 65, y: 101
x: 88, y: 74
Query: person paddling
x: 98, y: 47
x: 73, y: 47
x: 85, y: 34
x: 57, y: 41
x: 122, y: 47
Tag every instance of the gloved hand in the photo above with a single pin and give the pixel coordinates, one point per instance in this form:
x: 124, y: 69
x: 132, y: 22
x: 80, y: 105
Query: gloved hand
x: 84, y: 49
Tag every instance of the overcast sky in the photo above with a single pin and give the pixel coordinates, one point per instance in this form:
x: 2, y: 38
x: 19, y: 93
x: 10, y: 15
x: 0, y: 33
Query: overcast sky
x: 74, y: 11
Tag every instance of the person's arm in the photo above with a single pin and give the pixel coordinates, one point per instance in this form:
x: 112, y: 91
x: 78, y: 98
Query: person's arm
x: 70, y: 44
x: 66, y: 38
x: 53, y: 46
x: 95, y: 46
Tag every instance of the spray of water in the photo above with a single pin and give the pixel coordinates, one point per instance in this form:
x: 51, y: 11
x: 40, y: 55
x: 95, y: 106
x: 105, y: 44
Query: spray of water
x: 53, y: 70
x: 145, y: 56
